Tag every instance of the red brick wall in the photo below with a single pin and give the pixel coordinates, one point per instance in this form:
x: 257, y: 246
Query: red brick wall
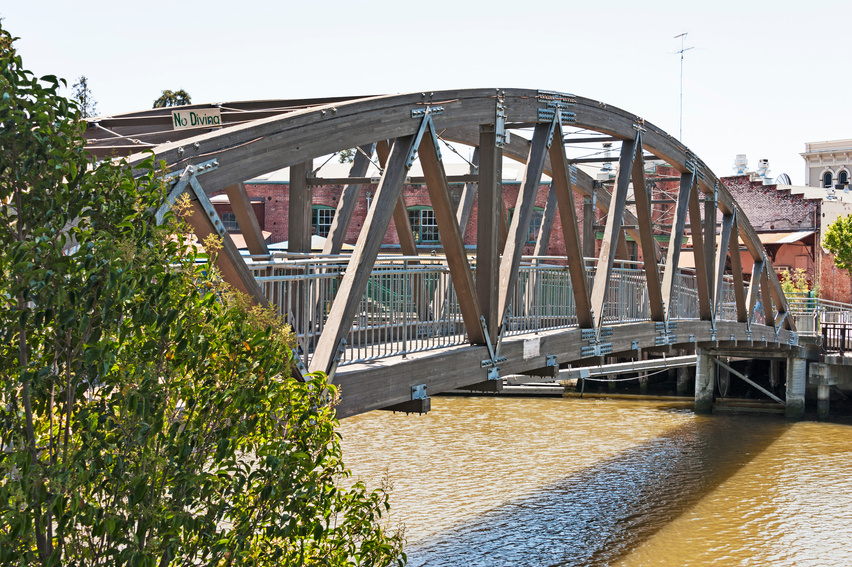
x: 276, y: 198
x: 769, y: 209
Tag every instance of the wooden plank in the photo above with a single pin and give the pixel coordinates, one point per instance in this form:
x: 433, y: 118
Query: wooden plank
x: 361, y: 180
x: 348, y: 202
x: 518, y: 149
x: 778, y: 297
x: 519, y: 228
x: 404, y: 233
x: 646, y: 240
x: 721, y: 260
x: 621, y: 251
x: 451, y: 236
x: 737, y: 271
x: 249, y: 226
x: 489, y: 205
x: 702, y: 273
x: 407, y: 243
x: 504, y: 224
x: 354, y: 282
x: 710, y: 240
x: 589, y: 210
x: 231, y: 265
x: 468, y: 196
x: 299, y: 209
x: 562, y: 187
x: 766, y: 296
x: 542, y: 241
x: 687, y: 181
x: 754, y: 289
x: 612, y: 231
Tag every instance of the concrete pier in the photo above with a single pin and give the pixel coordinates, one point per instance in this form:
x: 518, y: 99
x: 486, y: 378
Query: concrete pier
x: 823, y: 396
x: 796, y: 381
x: 682, y: 381
x: 705, y: 373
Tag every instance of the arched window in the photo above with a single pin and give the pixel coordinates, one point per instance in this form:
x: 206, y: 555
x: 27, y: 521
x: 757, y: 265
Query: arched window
x: 321, y: 217
x: 843, y: 179
x: 535, y: 223
x: 826, y: 179
x: 423, y: 224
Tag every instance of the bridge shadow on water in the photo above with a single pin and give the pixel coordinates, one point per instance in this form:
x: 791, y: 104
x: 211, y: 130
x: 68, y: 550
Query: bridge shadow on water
x: 600, y: 514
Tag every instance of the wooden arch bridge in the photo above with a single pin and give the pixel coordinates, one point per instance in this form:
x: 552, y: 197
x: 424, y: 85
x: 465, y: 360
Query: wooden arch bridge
x: 392, y: 329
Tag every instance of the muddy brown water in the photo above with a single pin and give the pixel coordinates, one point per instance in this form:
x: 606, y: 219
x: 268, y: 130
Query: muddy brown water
x: 568, y: 482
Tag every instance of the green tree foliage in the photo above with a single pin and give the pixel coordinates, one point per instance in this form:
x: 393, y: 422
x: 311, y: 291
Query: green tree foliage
x: 146, y: 413
x: 838, y: 241
x: 82, y: 95
x: 346, y: 156
x: 172, y: 98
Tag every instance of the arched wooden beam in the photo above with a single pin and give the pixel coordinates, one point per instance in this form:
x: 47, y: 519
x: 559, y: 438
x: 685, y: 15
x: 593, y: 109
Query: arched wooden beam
x: 255, y: 148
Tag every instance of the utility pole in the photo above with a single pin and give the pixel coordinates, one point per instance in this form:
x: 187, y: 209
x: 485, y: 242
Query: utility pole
x: 682, y: 50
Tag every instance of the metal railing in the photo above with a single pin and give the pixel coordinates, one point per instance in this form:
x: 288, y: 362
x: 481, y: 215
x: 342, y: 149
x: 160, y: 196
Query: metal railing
x: 837, y: 337
x: 410, y: 304
x: 811, y: 314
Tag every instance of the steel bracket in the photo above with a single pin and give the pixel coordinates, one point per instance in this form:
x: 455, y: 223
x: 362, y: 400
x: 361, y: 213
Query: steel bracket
x: 551, y: 360
x: 502, y: 135
x: 180, y: 182
x: 596, y: 346
x: 421, y: 112
x: 493, y: 352
x: 197, y: 169
x: 338, y: 356
x: 418, y: 392
x: 666, y: 334
x: 597, y: 349
x: 303, y: 375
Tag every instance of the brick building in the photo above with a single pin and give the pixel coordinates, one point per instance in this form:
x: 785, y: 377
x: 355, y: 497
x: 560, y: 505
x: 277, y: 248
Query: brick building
x: 789, y: 220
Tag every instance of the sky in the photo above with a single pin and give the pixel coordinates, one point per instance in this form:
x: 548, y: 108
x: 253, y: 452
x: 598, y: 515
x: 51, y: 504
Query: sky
x: 762, y: 78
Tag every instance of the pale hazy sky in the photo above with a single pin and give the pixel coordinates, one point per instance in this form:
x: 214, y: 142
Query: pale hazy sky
x: 763, y: 77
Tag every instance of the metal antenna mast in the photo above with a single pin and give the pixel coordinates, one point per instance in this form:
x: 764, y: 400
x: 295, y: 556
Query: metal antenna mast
x: 682, y: 50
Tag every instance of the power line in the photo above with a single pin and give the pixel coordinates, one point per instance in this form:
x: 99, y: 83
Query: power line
x: 682, y: 50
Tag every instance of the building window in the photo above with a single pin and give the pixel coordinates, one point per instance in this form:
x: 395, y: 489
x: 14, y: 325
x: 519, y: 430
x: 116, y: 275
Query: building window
x: 423, y: 224
x: 321, y: 217
x: 229, y: 221
x: 843, y: 179
x: 535, y: 223
x: 826, y: 180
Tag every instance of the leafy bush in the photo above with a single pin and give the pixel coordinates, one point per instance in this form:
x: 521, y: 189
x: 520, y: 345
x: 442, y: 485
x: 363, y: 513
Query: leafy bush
x: 146, y: 412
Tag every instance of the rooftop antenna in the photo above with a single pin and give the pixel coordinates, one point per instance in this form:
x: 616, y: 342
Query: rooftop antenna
x: 682, y: 50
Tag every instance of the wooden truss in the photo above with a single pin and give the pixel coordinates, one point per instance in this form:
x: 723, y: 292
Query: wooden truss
x: 260, y: 137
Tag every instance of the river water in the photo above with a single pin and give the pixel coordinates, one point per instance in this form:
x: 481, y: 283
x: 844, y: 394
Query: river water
x: 579, y: 482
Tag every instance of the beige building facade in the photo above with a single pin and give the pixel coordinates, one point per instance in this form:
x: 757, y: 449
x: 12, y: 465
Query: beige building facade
x: 828, y: 164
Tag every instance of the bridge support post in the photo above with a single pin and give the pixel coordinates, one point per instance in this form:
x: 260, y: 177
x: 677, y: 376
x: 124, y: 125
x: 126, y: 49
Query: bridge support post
x: 682, y: 380
x: 823, y: 396
x: 796, y: 380
x: 705, y: 371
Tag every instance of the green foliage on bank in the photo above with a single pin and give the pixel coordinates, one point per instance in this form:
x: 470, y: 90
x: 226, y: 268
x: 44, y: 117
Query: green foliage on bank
x: 147, y: 416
